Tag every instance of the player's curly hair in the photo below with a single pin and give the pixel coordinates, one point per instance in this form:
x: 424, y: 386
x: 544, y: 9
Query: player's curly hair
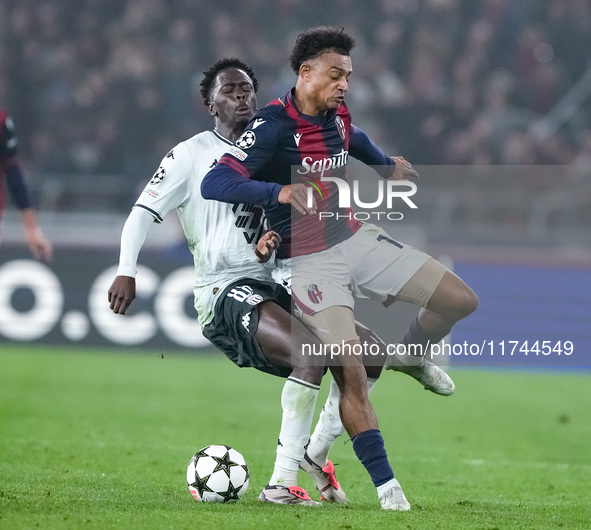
x: 222, y: 64
x: 319, y: 40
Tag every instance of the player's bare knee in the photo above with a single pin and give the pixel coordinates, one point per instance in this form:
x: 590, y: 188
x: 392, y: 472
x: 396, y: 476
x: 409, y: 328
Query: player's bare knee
x: 467, y: 303
x: 311, y: 374
x: 458, y: 303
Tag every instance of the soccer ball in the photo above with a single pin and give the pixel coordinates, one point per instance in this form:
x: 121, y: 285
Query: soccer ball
x: 217, y: 473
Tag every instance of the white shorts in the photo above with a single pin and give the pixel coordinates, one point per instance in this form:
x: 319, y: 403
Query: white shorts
x: 370, y: 264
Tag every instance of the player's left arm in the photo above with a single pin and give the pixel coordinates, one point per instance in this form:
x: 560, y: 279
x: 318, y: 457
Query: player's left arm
x: 134, y: 233
x: 363, y: 148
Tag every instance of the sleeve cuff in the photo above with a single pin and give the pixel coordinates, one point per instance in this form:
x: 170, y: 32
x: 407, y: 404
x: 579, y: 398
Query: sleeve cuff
x: 126, y: 271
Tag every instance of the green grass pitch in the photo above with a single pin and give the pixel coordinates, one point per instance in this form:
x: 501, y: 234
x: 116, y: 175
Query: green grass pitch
x: 101, y: 439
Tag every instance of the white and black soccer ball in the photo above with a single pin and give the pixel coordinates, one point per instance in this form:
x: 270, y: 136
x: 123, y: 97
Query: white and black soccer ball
x: 217, y: 473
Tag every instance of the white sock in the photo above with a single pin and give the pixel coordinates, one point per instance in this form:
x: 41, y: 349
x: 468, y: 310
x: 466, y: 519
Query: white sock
x: 329, y: 426
x: 298, y: 400
x: 385, y: 487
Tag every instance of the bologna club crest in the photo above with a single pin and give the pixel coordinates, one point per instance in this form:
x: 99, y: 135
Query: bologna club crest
x: 314, y: 294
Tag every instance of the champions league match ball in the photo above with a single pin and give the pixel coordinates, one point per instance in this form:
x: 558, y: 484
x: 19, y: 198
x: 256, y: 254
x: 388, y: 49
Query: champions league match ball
x: 217, y: 473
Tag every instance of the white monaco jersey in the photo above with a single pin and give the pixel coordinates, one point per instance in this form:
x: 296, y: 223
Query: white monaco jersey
x: 221, y: 236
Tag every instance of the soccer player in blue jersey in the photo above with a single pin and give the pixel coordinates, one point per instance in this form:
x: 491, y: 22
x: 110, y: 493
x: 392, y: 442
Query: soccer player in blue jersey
x: 19, y: 189
x: 332, y: 258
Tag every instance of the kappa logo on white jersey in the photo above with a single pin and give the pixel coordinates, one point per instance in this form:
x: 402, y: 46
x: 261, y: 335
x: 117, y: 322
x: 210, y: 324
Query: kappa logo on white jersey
x: 158, y: 176
x: 246, y: 320
x: 246, y: 141
x: 297, y: 137
x: 257, y: 122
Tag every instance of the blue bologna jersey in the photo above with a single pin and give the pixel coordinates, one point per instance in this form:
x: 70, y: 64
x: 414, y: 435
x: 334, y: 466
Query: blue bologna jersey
x: 283, y: 146
x: 9, y: 165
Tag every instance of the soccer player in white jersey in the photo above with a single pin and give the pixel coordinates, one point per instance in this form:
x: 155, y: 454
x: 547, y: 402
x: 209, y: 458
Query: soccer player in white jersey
x: 241, y: 309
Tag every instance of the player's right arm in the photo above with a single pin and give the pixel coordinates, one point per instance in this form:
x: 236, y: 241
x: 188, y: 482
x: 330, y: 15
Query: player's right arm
x: 122, y: 290
x: 227, y: 184
x: 231, y: 179
x: 367, y: 151
x: 168, y: 188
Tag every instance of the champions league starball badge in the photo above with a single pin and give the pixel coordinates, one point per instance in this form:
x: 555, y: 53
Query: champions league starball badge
x: 246, y: 140
x: 158, y: 176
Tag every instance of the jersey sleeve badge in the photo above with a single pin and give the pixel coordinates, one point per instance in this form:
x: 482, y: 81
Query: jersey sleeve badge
x: 247, y: 140
x: 158, y: 176
x: 237, y: 153
x: 340, y: 127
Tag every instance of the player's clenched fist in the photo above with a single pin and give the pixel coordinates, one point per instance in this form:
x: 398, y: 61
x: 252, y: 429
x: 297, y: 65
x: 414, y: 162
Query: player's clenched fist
x: 121, y: 294
x: 268, y: 242
x: 297, y: 196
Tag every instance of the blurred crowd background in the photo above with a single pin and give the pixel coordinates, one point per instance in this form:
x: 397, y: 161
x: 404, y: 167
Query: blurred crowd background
x: 101, y: 89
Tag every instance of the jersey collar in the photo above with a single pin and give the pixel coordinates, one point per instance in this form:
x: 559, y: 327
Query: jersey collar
x: 315, y: 120
x: 222, y: 138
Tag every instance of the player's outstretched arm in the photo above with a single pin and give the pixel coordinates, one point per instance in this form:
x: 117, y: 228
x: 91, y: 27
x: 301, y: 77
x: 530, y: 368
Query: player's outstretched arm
x: 122, y: 290
x: 363, y: 148
x: 40, y: 246
x: 403, y: 170
x: 23, y: 197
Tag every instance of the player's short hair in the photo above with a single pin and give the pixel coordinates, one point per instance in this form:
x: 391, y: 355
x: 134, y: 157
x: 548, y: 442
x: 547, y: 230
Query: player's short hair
x: 319, y: 40
x: 223, y: 64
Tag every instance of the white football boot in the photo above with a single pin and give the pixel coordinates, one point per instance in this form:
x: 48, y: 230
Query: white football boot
x: 418, y: 367
x: 394, y: 499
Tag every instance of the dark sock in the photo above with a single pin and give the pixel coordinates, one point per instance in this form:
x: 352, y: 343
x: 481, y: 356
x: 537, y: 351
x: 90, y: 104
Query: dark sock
x: 423, y: 340
x: 369, y: 448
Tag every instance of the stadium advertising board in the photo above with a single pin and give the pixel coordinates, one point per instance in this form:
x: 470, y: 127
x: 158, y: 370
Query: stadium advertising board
x: 529, y: 316
x: 66, y: 301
